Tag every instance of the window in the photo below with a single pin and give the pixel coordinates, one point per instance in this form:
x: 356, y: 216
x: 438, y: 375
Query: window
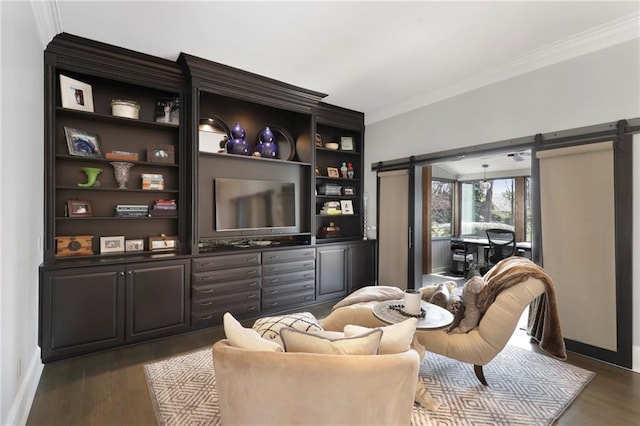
x: 441, y: 209
x: 528, y: 232
x: 481, y: 210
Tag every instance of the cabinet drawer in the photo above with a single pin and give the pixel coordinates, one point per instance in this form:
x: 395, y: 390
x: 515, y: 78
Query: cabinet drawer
x: 276, y: 280
x: 277, y: 292
x: 212, y: 290
x: 288, y: 300
x: 221, y: 302
x: 288, y: 255
x: 227, y: 261
x: 279, y: 268
x: 208, y: 318
x: 225, y: 275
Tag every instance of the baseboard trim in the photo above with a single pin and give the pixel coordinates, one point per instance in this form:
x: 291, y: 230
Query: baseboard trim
x: 19, y: 412
x: 635, y: 360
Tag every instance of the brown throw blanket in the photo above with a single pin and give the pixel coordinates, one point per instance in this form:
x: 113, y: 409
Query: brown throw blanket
x: 512, y: 271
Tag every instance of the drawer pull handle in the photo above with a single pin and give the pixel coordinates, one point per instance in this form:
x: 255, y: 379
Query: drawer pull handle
x: 252, y: 259
x: 207, y: 291
x: 307, y: 275
x: 308, y: 297
x: 273, y: 291
x: 308, y: 253
x: 251, y: 272
x: 206, y: 304
x: 272, y: 304
x: 208, y: 317
x: 205, y: 278
x: 308, y: 286
x: 273, y: 280
x: 252, y: 308
x: 251, y: 296
x: 273, y: 257
x: 272, y: 269
x: 205, y: 264
x: 252, y: 284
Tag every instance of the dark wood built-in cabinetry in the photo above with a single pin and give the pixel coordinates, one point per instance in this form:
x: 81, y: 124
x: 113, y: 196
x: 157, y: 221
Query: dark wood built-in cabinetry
x: 96, y: 299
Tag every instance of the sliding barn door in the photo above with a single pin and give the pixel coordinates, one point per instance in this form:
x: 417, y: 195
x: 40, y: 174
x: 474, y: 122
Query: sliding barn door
x: 393, y: 228
x: 578, y: 219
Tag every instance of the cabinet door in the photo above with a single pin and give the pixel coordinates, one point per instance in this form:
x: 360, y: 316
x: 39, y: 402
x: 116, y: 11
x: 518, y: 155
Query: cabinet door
x: 82, y: 310
x: 361, y: 263
x: 157, y: 299
x: 331, y: 272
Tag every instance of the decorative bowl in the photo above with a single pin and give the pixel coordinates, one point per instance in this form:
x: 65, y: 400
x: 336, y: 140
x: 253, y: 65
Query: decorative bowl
x: 331, y: 145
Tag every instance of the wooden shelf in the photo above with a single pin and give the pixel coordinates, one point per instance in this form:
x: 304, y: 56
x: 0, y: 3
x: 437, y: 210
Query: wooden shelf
x: 120, y: 121
x: 109, y: 160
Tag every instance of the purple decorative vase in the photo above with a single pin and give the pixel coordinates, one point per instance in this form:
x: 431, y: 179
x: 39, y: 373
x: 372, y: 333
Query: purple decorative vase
x: 267, y: 147
x: 237, y: 145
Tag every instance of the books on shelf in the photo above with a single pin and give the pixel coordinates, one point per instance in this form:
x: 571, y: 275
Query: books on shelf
x: 164, y: 208
x: 331, y: 208
x: 131, y: 210
x: 152, y: 181
x: 122, y: 155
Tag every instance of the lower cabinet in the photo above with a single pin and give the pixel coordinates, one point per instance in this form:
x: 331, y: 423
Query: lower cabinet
x: 343, y: 268
x: 87, y: 309
x: 288, y: 278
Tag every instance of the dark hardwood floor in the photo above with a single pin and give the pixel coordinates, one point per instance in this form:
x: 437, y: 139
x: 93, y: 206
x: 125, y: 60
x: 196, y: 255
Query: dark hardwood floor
x: 109, y: 388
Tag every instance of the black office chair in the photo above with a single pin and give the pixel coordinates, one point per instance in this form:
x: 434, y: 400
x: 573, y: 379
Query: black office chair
x: 502, y: 244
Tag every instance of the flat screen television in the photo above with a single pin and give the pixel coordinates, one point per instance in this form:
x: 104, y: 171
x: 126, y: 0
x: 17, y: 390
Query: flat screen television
x: 245, y: 204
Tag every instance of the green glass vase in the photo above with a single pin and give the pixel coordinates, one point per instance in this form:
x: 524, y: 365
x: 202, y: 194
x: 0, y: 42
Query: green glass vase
x: 92, y: 177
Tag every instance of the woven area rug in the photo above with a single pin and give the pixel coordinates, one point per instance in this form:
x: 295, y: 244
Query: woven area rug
x: 525, y: 388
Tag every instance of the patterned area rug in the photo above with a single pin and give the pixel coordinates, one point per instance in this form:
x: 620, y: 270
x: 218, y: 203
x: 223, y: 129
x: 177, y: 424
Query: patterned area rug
x: 525, y: 388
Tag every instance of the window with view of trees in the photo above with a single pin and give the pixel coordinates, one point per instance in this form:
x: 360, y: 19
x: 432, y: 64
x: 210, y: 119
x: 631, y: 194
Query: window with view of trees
x: 441, y: 208
x: 528, y: 232
x: 493, y: 208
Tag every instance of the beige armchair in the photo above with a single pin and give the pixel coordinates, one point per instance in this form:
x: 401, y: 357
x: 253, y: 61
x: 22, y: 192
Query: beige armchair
x: 477, y: 347
x: 279, y: 388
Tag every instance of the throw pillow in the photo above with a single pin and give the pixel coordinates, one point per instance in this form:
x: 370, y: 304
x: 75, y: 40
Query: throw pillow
x: 396, y: 338
x: 246, y: 338
x: 269, y: 327
x: 471, y: 315
x: 299, y: 341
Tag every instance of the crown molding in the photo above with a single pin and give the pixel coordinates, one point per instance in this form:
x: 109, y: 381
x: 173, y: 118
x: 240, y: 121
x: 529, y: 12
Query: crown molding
x: 600, y: 37
x: 47, y: 16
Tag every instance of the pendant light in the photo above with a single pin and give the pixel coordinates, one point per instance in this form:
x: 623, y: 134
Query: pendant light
x: 484, y: 184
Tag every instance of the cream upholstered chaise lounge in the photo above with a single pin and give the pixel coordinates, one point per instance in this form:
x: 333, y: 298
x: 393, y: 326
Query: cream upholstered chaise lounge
x: 481, y: 344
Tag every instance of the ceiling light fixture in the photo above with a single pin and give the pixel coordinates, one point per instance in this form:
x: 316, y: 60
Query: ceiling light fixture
x: 484, y: 184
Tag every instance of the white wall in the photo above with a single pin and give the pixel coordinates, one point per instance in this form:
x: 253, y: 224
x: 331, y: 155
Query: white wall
x: 21, y: 207
x: 600, y: 87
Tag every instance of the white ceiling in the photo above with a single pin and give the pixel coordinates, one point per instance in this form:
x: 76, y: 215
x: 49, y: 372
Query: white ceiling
x: 381, y: 58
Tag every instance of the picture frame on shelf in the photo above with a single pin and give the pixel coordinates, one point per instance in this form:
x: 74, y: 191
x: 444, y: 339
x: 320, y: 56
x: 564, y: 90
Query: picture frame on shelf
x: 161, y: 153
x: 318, y: 171
x: 349, y: 190
x: 114, y: 244
x: 346, y: 143
x: 168, y: 110
x: 82, y: 144
x: 346, y: 206
x: 163, y: 243
x: 79, y: 208
x: 333, y: 172
x: 76, y: 94
x: 134, y: 245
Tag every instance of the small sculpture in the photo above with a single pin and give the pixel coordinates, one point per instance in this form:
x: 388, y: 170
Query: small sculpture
x: 92, y: 177
x: 350, y: 172
x: 343, y: 170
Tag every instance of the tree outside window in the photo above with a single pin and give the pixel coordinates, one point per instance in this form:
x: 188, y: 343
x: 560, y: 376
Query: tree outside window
x: 482, y: 210
x: 441, y: 209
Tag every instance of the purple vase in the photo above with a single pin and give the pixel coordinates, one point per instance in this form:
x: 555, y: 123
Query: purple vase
x: 267, y: 147
x: 237, y: 145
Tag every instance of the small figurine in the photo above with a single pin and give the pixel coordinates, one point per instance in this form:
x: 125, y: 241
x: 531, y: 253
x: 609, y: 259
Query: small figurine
x: 350, y: 170
x: 343, y: 170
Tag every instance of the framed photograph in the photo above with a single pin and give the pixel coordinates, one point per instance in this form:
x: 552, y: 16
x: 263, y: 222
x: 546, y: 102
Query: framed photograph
x: 163, y: 243
x: 75, y: 94
x: 318, y: 171
x: 79, y: 208
x: 333, y: 172
x: 349, y: 190
x: 82, y: 144
x: 346, y: 143
x: 157, y: 153
x: 112, y: 244
x: 134, y: 245
x: 168, y: 110
x: 319, y: 140
x: 346, y: 206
